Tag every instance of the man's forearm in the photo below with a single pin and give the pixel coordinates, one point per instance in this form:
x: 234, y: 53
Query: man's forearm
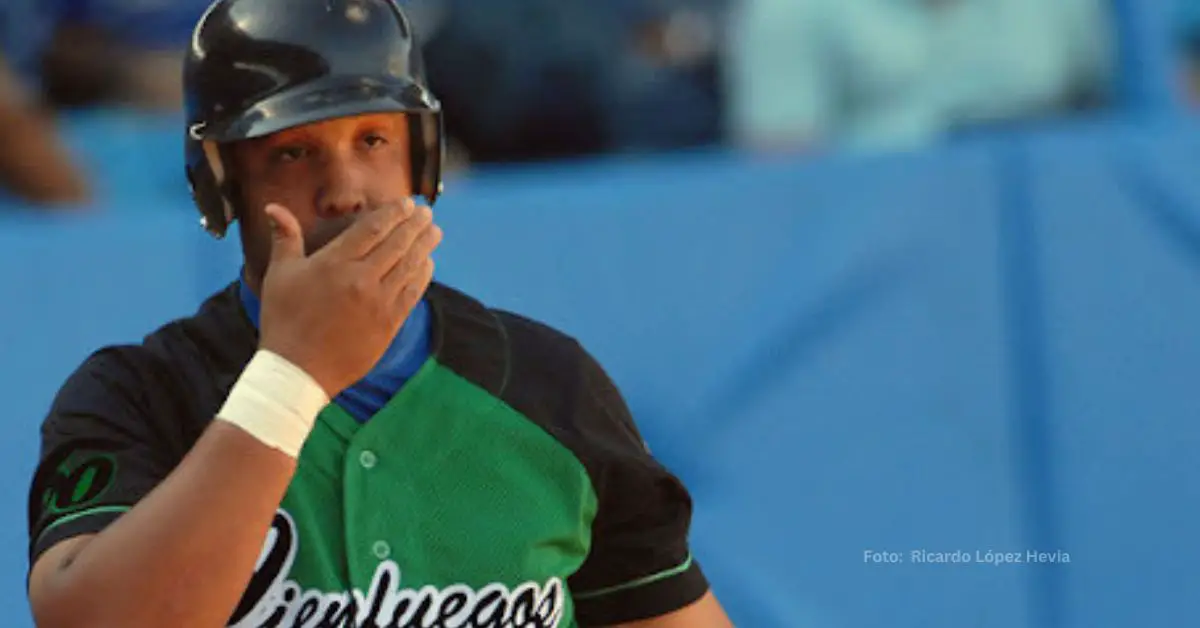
x: 183, y: 556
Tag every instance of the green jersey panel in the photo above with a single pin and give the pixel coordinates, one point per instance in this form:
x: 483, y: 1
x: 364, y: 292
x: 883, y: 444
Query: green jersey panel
x: 447, y: 505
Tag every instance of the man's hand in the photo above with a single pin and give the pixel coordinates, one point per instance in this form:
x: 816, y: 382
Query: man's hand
x: 334, y: 313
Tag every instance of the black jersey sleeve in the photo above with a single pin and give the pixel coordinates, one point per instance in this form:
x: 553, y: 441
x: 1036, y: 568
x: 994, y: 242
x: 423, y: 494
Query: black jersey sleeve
x: 101, y: 451
x: 640, y: 564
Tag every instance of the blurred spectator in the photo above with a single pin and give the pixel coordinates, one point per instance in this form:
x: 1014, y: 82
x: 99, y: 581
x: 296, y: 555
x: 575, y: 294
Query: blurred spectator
x: 901, y: 73
x: 540, y: 79
x: 26, y: 26
x: 1188, y: 21
x: 80, y: 53
x: 668, y: 92
x: 134, y: 45
x: 87, y: 52
x: 524, y: 79
x: 34, y: 164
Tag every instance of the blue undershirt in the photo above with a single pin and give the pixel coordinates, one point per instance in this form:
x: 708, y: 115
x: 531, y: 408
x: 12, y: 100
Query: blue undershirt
x: 400, y: 362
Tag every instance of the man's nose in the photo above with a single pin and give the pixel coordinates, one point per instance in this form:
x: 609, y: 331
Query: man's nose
x: 344, y: 191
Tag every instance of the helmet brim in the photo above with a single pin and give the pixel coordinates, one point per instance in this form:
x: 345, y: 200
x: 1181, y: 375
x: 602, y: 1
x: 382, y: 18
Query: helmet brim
x: 322, y: 99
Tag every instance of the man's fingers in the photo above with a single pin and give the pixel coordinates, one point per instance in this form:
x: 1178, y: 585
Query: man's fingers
x: 393, y: 249
x: 417, y: 282
x: 408, y: 268
x: 287, y: 239
x: 370, y: 231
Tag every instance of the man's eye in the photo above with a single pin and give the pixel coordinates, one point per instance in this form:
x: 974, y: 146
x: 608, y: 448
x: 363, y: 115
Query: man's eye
x: 374, y: 140
x: 288, y: 154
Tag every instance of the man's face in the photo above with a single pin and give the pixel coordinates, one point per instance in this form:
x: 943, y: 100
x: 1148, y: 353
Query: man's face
x: 326, y: 173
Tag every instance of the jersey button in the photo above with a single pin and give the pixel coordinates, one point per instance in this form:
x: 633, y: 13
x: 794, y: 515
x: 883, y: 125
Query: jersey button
x: 367, y: 459
x: 381, y: 550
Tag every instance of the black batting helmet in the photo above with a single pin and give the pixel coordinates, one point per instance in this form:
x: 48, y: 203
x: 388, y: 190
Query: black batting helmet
x: 255, y: 67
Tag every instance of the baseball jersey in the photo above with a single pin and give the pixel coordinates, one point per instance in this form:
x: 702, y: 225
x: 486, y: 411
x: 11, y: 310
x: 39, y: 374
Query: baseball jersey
x: 505, y: 484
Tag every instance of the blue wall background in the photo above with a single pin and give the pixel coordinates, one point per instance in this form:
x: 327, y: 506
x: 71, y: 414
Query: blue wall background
x: 994, y: 346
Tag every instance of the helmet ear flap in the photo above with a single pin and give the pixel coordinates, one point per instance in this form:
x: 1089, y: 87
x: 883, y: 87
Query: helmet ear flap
x: 206, y: 174
x: 428, y: 154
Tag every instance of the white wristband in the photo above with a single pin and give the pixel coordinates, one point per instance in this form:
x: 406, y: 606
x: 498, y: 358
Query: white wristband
x: 276, y: 402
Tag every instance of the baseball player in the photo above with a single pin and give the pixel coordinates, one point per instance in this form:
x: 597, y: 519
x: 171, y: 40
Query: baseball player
x: 335, y: 439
